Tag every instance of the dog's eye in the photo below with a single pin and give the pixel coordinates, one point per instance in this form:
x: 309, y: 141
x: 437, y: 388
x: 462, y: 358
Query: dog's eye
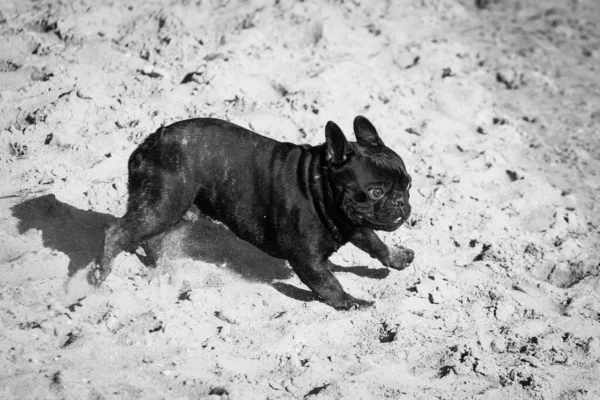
x: 376, y: 193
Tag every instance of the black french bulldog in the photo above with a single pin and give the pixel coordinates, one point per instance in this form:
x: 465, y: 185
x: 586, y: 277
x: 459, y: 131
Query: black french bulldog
x: 299, y: 203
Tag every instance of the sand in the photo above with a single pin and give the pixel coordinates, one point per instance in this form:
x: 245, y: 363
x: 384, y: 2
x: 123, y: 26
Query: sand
x: 495, y: 111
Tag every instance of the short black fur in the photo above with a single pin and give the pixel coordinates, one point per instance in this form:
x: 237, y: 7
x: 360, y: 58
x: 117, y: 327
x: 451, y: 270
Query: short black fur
x: 299, y: 203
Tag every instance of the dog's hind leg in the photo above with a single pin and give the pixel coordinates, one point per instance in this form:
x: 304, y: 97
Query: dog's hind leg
x: 153, y: 207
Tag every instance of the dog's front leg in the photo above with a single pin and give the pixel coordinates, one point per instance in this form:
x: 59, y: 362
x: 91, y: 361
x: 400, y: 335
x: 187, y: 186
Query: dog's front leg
x: 368, y: 241
x: 317, y: 275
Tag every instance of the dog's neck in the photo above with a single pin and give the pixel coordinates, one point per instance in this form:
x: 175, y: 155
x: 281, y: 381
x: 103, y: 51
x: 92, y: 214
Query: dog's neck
x: 322, y: 194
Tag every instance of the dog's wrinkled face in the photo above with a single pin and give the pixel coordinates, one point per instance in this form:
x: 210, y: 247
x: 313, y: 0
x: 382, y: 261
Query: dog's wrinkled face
x: 368, y: 180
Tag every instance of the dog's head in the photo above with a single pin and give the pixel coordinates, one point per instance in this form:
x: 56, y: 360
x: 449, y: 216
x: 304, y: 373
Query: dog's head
x: 368, y: 180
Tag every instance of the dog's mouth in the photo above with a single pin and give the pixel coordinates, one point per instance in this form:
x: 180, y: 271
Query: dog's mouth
x: 394, y: 224
x: 363, y: 219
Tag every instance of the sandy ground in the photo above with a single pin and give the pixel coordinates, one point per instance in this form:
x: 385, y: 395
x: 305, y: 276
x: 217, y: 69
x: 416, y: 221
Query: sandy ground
x: 495, y: 111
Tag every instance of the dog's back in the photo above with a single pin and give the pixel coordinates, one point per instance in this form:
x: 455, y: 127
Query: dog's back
x: 234, y: 174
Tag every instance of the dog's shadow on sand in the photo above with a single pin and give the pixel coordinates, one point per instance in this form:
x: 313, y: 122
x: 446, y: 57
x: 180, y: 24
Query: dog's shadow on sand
x: 208, y: 241
x: 79, y: 234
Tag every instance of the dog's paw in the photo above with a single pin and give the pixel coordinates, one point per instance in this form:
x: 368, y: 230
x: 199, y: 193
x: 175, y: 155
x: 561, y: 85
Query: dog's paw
x: 401, y: 258
x: 95, y: 275
x: 353, y: 303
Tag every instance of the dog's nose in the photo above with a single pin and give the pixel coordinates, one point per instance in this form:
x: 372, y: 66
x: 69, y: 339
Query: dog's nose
x: 398, y: 201
x: 401, y: 205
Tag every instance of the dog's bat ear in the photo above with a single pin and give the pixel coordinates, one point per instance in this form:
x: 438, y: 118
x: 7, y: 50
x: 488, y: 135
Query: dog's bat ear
x: 365, y: 132
x: 336, y: 144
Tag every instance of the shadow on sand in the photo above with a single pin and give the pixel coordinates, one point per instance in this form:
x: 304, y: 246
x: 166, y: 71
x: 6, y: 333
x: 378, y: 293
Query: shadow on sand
x: 211, y: 242
x: 79, y: 234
